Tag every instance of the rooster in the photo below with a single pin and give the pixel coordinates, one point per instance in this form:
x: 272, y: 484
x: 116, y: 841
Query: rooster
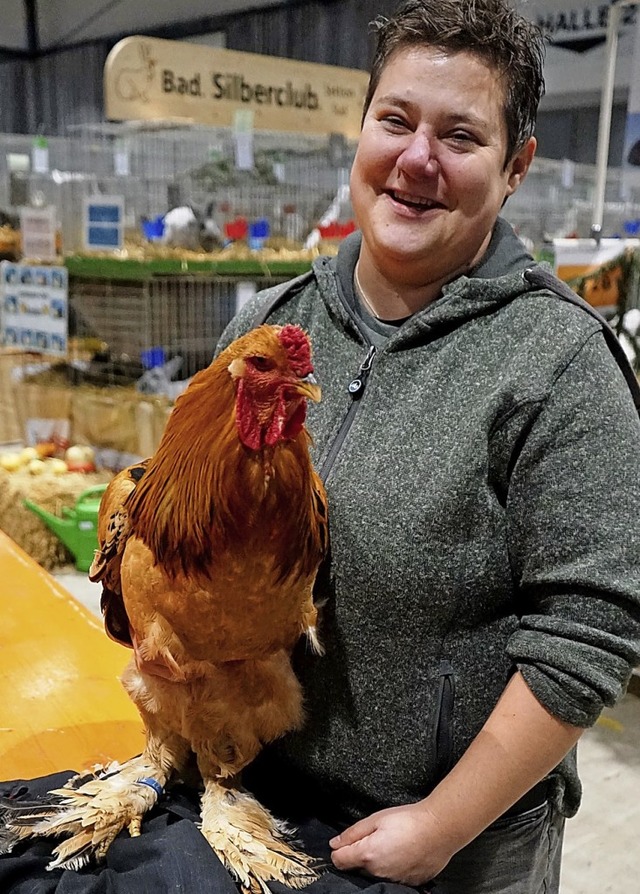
x: 208, y: 552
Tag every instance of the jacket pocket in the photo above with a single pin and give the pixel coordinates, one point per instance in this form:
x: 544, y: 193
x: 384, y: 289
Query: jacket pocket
x: 443, y: 721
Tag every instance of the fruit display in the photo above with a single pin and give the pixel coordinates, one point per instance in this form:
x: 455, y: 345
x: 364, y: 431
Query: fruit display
x: 49, y: 458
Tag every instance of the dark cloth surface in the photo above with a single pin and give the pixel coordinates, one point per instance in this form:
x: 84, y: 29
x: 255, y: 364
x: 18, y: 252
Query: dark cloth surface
x: 170, y: 856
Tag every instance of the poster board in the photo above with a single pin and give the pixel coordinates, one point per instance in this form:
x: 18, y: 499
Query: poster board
x: 103, y: 223
x: 164, y: 80
x: 34, y: 308
x: 38, y: 232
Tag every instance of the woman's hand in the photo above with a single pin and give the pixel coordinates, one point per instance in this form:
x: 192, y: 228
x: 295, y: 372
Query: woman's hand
x: 404, y: 844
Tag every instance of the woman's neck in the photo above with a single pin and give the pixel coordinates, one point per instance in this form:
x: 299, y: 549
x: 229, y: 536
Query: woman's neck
x: 394, y: 295
x: 388, y: 301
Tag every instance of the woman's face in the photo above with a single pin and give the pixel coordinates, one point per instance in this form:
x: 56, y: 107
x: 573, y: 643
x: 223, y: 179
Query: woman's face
x: 428, y: 179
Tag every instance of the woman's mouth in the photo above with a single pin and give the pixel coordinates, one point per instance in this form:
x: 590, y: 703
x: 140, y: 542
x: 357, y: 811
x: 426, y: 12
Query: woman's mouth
x: 416, y: 203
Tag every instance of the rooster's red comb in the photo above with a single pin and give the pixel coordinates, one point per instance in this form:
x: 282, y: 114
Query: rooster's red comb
x: 296, y: 343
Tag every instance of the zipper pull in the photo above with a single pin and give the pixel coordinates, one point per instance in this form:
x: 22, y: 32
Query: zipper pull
x: 356, y: 386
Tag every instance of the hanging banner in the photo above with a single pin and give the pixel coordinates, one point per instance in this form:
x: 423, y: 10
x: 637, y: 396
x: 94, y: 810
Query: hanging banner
x: 576, y: 51
x: 164, y: 80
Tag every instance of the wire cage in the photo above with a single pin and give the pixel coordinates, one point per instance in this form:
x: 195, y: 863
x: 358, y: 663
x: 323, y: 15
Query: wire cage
x: 557, y: 200
x: 292, y: 181
x: 130, y: 326
x: 289, y: 180
x: 155, y: 320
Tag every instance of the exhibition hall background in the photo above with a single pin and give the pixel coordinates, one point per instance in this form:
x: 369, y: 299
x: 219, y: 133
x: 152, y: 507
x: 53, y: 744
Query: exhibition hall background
x: 52, y: 56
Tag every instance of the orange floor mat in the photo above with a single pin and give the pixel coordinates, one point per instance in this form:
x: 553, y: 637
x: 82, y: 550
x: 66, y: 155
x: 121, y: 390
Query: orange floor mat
x: 61, y: 703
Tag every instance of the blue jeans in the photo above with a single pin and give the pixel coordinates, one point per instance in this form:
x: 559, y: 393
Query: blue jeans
x: 515, y: 855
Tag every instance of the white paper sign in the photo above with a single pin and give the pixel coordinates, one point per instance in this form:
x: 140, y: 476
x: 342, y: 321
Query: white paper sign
x: 243, y: 139
x: 244, y: 151
x: 244, y: 291
x: 121, y: 163
x: 40, y: 156
x: 38, y: 233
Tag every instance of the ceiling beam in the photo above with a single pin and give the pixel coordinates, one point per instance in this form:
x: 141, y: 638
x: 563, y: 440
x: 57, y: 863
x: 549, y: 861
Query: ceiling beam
x: 176, y: 30
x: 79, y: 26
x: 31, y: 21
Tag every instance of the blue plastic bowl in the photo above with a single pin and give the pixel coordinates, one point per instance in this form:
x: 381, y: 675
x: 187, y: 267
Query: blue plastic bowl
x: 153, y: 229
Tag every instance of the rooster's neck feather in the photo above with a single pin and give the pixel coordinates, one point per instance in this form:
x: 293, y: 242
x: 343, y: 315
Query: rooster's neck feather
x: 202, y: 484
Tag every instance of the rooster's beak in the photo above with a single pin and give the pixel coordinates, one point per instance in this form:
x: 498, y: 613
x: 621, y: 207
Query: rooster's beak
x: 308, y: 387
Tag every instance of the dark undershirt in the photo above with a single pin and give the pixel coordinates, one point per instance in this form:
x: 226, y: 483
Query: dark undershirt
x: 377, y: 330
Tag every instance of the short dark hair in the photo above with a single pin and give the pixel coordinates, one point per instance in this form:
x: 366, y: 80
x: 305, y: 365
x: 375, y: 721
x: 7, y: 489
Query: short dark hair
x: 491, y: 30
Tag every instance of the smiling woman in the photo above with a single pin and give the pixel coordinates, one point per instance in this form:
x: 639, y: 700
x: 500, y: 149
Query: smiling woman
x: 481, y: 554
x: 480, y: 601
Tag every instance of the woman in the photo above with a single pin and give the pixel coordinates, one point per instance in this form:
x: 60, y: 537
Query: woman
x: 479, y: 447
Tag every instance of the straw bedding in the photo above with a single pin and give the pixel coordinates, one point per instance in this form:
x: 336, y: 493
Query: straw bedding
x: 52, y: 492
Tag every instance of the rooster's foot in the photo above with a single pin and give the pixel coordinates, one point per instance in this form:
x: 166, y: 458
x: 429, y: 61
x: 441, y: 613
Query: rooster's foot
x: 251, y: 843
x: 89, y: 811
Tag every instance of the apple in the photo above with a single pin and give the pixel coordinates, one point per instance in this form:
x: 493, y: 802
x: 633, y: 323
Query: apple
x: 57, y: 466
x: 11, y: 462
x: 80, y: 458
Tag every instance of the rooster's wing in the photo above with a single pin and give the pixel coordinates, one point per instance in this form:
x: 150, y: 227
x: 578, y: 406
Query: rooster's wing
x: 113, y: 532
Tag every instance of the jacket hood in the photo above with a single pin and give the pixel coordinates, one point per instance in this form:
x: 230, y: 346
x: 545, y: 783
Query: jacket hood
x: 494, y: 282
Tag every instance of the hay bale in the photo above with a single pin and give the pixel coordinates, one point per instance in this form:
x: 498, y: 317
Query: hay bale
x: 10, y: 427
x: 111, y: 418
x: 52, y: 492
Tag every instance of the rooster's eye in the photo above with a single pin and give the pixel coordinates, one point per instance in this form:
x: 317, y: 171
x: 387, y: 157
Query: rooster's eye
x: 261, y: 363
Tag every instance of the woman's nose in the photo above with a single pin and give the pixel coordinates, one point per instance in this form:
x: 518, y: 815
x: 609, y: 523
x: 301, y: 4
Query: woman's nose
x: 417, y: 158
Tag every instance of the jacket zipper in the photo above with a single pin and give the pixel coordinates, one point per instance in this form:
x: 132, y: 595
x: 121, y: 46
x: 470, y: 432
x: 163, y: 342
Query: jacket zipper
x: 443, y: 727
x: 356, y: 389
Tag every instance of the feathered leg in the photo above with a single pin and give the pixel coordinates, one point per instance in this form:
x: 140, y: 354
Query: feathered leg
x: 90, y: 809
x: 250, y: 842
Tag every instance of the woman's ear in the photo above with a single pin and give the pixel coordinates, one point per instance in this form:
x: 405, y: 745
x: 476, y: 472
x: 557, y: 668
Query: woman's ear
x: 519, y: 165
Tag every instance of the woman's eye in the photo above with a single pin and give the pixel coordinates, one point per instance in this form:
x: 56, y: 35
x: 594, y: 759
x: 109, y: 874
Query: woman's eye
x: 462, y: 137
x: 394, y: 121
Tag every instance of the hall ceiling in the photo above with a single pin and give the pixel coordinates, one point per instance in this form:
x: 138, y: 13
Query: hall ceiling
x: 34, y: 26
x: 41, y: 25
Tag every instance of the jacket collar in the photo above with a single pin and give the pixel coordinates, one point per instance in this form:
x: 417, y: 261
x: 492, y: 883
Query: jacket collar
x: 496, y: 280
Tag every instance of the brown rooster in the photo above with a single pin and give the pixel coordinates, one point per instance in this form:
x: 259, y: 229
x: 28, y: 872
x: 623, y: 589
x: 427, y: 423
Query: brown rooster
x: 208, y: 556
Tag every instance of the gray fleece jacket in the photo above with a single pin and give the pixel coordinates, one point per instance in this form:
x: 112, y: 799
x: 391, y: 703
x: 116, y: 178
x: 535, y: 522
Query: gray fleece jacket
x: 484, y: 487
